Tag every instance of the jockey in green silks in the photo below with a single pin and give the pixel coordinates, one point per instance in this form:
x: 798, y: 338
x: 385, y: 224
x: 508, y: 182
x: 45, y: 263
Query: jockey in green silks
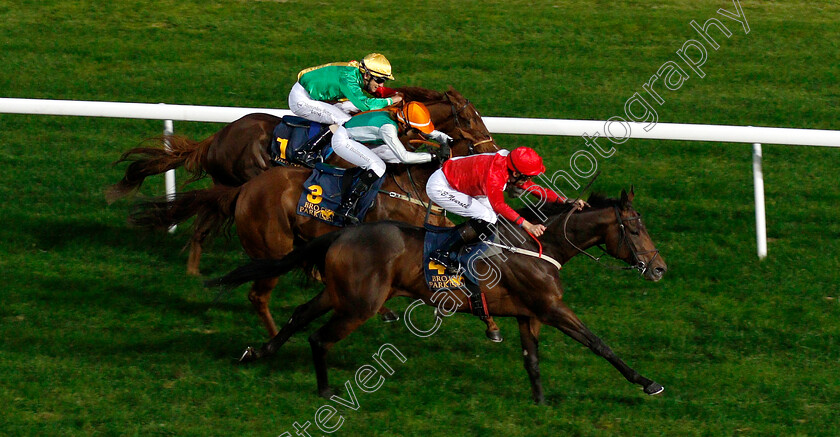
x: 320, y: 92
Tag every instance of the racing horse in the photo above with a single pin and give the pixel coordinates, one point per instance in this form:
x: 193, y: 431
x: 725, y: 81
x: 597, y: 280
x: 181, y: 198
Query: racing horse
x: 364, y: 266
x: 264, y: 210
x: 240, y: 151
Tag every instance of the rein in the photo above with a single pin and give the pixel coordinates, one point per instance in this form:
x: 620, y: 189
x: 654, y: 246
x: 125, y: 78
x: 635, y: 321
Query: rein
x: 527, y: 252
x: 407, y: 197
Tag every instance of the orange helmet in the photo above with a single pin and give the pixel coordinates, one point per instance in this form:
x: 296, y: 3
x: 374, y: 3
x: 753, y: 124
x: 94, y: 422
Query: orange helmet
x: 417, y: 116
x: 525, y: 160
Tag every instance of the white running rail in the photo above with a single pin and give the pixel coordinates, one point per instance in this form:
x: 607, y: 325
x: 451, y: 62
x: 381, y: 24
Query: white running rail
x: 500, y: 125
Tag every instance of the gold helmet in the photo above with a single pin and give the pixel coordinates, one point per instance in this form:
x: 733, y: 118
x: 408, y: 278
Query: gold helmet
x: 377, y: 65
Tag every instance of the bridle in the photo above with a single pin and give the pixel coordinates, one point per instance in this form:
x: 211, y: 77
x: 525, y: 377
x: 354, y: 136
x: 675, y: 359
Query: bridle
x: 455, y: 111
x: 637, y: 264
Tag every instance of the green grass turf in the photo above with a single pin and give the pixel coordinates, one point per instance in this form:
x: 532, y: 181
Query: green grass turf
x: 103, y: 333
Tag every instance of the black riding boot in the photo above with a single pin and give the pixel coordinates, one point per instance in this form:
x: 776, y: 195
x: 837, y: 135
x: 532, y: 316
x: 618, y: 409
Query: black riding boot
x: 467, y: 233
x: 350, y: 201
x: 477, y: 304
x: 308, y: 153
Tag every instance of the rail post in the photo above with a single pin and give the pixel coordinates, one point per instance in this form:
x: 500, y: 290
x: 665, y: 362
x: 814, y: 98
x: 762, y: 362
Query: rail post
x: 760, y: 222
x: 169, y: 176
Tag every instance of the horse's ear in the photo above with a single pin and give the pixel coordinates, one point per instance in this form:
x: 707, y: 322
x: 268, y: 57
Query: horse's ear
x: 454, y: 94
x: 625, y: 199
x: 631, y: 195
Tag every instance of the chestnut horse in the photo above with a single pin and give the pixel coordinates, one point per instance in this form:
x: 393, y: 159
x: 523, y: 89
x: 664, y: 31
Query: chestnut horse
x: 364, y: 266
x: 240, y: 151
x: 264, y: 211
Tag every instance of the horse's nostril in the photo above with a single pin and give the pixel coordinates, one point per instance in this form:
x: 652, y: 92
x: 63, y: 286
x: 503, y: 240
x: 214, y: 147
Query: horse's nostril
x: 659, y: 271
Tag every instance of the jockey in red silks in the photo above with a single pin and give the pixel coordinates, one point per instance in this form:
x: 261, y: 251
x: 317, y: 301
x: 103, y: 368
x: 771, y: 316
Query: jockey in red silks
x: 473, y: 186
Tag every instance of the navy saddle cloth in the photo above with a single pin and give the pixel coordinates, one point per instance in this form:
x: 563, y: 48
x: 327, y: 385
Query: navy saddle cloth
x: 291, y: 135
x: 437, y: 276
x: 322, y: 193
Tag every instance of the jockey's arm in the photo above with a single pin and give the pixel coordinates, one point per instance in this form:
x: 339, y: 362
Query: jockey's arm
x: 351, y: 89
x: 546, y: 194
x: 549, y: 195
x: 389, y: 135
x: 439, y: 137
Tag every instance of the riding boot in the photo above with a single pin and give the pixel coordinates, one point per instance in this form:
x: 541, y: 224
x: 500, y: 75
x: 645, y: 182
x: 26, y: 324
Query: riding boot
x: 478, y: 305
x: 309, y: 153
x: 349, y: 202
x: 466, y: 233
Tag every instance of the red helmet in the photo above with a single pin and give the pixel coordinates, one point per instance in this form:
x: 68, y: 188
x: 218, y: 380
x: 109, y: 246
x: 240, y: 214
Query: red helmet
x: 525, y: 160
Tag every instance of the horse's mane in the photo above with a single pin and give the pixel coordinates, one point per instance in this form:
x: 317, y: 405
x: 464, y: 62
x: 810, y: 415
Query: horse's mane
x: 420, y: 94
x: 595, y: 201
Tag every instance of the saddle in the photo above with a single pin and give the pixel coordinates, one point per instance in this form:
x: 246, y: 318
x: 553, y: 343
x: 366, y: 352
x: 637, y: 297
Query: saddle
x: 439, y: 277
x: 298, y: 141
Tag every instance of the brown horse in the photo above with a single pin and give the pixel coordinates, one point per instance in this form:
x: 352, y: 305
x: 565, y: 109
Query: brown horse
x: 365, y: 266
x: 240, y: 151
x: 264, y: 210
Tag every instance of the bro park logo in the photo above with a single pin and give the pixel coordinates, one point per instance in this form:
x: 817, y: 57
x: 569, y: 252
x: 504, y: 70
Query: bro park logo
x: 313, y: 207
x: 439, y: 278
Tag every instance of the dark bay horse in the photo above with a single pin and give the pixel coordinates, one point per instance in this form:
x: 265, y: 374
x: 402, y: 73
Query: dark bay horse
x: 264, y: 211
x: 239, y: 151
x: 364, y: 266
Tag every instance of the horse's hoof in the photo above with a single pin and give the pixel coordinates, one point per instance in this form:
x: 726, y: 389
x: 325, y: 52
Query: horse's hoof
x: 326, y: 394
x: 389, y: 317
x: 494, y: 336
x: 654, y: 389
x: 248, y: 356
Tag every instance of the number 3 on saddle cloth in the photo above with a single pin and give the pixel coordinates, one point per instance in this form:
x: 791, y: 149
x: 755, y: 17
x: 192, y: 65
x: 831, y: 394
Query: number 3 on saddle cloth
x: 439, y: 277
x: 298, y: 141
x: 322, y: 194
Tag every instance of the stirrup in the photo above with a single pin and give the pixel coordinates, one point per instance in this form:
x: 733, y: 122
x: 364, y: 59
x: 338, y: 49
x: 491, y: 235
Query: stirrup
x: 351, y: 219
x: 442, y: 257
x: 345, y: 211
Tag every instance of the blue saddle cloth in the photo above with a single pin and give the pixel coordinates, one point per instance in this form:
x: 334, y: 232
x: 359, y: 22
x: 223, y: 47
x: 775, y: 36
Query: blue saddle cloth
x: 291, y: 134
x: 322, y: 193
x: 437, y: 276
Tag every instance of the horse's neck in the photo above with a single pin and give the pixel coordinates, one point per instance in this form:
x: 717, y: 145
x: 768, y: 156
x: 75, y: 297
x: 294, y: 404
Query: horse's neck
x: 584, y: 230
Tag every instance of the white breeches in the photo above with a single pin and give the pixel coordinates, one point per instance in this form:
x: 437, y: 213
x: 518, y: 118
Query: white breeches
x: 302, y: 105
x: 456, y: 202
x: 357, y: 153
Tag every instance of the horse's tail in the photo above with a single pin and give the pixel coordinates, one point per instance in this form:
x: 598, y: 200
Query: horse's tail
x: 214, y: 207
x: 312, y: 254
x: 175, y: 151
